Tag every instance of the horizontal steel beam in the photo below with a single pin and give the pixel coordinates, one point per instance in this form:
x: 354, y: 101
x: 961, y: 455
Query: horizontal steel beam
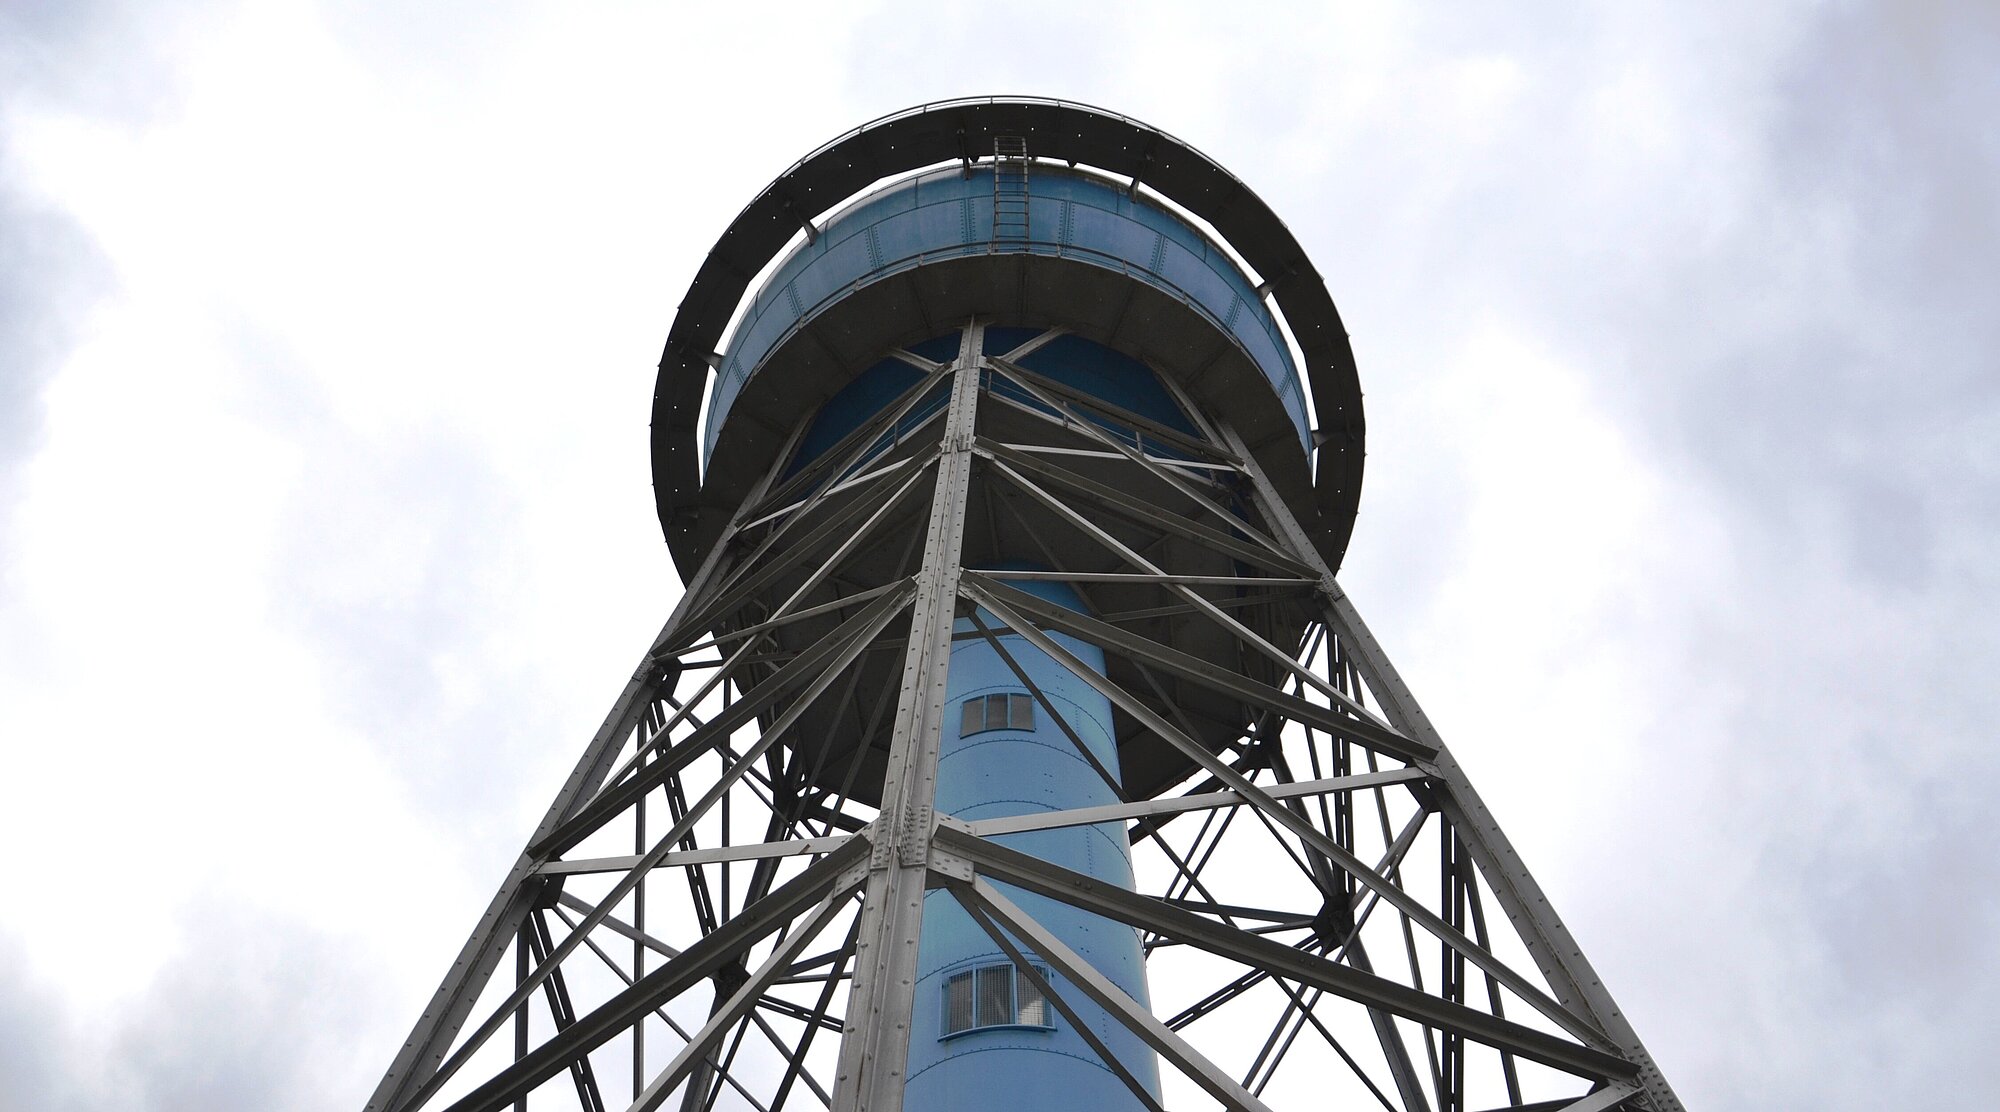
x: 1092, y: 453
x: 751, y: 852
x: 1116, y: 812
x: 1140, y: 578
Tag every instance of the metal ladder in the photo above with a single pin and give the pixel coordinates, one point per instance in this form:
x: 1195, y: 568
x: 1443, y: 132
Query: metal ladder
x: 1010, y: 189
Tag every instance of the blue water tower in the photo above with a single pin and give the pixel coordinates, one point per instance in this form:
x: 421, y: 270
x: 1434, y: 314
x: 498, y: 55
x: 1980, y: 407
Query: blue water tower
x: 1008, y: 449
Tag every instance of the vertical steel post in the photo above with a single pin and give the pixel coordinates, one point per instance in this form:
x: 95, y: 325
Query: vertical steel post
x: 876, y: 1040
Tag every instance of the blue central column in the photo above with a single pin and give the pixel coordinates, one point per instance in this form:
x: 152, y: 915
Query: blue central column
x: 982, y: 1040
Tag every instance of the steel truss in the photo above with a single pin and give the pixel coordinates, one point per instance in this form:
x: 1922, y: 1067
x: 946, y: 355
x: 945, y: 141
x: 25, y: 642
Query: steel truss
x: 722, y: 905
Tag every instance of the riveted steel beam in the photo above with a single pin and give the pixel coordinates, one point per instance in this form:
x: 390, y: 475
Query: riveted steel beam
x: 876, y: 1043
x: 1145, y: 808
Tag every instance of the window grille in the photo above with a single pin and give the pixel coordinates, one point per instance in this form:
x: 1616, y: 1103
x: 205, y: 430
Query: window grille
x: 996, y: 712
x: 996, y: 995
x: 993, y: 996
x: 1030, y: 1009
x: 958, y: 1003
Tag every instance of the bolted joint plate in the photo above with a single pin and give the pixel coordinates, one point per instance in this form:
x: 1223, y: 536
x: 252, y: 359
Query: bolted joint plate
x: 855, y: 875
x: 913, y: 841
x: 881, y: 844
x: 946, y: 867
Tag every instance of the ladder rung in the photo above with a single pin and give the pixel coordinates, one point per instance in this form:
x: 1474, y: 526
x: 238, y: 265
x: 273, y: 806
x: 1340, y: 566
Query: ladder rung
x: 1010, y: 187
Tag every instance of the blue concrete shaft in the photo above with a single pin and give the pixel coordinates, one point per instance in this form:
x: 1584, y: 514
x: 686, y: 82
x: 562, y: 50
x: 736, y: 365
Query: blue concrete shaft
x: 1013, y: 771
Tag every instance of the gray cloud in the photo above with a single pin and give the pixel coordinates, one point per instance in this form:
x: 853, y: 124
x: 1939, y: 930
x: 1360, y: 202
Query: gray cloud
x: 50, y: 273
x: 252, y: 1012
x: 398, y: 562
x: 96, y: 59
x: 1784, y: 300
x: 1822, y: 340
x: 33, y: 1040
x: 1816, y: 352
x: 101, y: 58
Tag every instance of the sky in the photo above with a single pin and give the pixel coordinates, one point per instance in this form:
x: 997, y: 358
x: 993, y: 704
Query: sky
x: 327, y: 340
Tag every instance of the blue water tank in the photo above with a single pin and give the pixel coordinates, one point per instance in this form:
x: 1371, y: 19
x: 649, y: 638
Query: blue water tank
x: 944, y: 215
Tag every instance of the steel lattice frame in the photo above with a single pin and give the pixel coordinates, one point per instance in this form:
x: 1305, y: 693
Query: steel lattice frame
x: 706, y: 916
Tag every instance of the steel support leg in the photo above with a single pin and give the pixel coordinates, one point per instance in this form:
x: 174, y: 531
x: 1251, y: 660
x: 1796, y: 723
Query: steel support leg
x: 1569, y: 974
x: 876, y: 1042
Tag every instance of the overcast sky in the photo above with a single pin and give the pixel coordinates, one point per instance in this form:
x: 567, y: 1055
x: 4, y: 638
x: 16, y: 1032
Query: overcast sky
x: 327, y: 338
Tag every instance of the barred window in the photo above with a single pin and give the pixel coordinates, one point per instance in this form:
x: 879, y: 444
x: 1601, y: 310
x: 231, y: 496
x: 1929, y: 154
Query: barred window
x: 995, y: 991
x: 996, y: 712
x: 993, y: 996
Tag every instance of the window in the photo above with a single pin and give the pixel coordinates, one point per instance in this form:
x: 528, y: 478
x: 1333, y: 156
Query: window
x: 994, y: 992
x: 958, y: 1004
x: 996, y: 712
x: 1030, y: 1010
x: 993, y: 996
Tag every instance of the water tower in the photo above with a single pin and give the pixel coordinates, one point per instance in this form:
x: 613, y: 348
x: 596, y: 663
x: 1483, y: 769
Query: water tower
x: 1013, y: 745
